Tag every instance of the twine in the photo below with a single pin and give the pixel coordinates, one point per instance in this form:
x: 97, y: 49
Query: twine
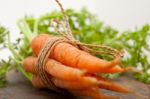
x: 67, y: 37
x: 41, y: 62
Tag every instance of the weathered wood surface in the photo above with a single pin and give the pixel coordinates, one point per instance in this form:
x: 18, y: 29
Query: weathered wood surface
x: 19, y: 88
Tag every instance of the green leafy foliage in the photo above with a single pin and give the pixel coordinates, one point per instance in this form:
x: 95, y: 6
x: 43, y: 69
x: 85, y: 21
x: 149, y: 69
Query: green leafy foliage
x: 135, y: 43
x: 137, y: 50
x: 3, y: 33
x: 4, y: 67
x: 3, y: 71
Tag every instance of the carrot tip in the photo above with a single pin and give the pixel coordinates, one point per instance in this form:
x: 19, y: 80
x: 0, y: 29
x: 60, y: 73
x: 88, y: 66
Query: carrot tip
x: 133, y: 69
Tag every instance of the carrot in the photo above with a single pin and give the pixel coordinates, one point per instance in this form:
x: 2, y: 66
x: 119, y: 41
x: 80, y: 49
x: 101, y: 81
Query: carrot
x: 54, y: 68
x: 62, y: 72
x: 29, y: 64
x: 73, y: 85
x: 86, y: 82
x: 37, y: 82
x: 110, y: 85
x: 118, y: 69
x: 72, y: 56
x: 78, y: 81
x: 94, y: 93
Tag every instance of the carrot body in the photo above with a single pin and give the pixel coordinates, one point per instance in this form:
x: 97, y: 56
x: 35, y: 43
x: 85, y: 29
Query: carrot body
x: 54, y: 68
x: 91, y: 92
x: 29, y: 64
x: 86, y: 82
x: 110, y: 85
x: 72, y: 56
x: 37, y: 82
x: 118, y: 69
x: 94, y: 93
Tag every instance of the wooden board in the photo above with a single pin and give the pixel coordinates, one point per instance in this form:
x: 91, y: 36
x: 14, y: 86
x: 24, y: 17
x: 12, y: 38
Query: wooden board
x: 19, y: 88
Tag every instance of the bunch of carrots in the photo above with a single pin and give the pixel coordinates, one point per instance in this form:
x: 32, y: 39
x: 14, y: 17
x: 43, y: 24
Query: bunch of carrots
x: 74, y: 70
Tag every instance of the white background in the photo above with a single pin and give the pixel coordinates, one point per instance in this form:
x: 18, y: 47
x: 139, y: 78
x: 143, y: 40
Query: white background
x: 120, y: 14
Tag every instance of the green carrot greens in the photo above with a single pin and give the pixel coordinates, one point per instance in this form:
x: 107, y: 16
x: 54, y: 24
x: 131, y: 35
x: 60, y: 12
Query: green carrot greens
x: 4, y: 65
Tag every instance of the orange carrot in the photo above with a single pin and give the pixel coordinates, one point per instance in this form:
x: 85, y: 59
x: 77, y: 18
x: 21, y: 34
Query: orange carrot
x: 118, y: 69
x: 94, y: 93
x: 110, y: 85
x: 37, y: 82
x: 86, y: 82
x: 62, y: 72
x: 54, y: 68
x: 72, y: 56
x: 29, y: 64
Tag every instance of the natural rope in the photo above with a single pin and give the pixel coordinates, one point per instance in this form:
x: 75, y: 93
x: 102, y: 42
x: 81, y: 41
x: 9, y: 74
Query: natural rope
x: 68, y: 34
x: 68, y: 30
x: 41, y: 62
x: 67, y: 37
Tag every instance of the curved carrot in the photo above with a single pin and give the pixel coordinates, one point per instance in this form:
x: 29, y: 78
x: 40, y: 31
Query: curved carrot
x: 118, y: 69
x: 86, y: 82
x: 54, y: 68
x: 72, y: 56
x: 94, y: 93
x: 110, y: 85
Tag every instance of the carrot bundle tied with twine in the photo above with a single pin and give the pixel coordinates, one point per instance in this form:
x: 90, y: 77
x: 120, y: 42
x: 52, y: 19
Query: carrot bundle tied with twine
x: 64, y: 64
x: 68, y: 38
